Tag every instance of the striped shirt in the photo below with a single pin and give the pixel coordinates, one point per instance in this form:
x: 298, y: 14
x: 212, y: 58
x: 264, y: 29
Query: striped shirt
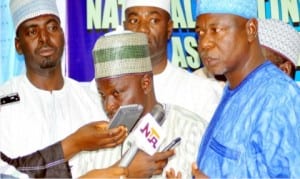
x: 179, y: 123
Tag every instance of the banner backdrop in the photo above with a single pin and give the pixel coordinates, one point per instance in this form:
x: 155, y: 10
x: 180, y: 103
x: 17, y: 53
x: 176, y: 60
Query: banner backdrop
x: 87, y: 20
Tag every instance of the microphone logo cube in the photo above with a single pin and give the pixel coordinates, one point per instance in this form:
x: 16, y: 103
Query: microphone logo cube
x: 149, y: 134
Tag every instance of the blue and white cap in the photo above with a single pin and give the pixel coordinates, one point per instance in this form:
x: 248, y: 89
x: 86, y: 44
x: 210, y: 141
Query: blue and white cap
x: 22, y: 10
x: 244, y: 8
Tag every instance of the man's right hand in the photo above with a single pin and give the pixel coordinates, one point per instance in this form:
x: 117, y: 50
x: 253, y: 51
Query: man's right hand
x: 93, y: 136
x: 144, y: 165
x: 197, y: 173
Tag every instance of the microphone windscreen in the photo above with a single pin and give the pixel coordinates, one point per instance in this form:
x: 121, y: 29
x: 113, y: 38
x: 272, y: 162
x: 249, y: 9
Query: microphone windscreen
x: 158, y: 113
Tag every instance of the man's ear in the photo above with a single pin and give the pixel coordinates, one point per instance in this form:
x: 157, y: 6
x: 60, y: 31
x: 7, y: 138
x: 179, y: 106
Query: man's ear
x: 286, y: 67
x: 146, y: 83
x: 18, y: 46
x: 170, y: 28
x: 252, y: 29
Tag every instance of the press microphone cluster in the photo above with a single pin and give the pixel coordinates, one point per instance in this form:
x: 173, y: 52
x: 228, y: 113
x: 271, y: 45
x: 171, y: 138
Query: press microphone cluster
x: 148, y: 135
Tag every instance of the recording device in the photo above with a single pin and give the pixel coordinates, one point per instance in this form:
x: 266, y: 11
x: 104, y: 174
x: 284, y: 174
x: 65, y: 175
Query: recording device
x: 157, y: 114
x: 10, y: 98
x: 172, y: 144
x: 126, y: 115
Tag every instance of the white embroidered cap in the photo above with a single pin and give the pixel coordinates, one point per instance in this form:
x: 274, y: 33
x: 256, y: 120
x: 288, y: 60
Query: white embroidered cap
x: 163, y: 4
x: 22, y: 10
x: 280, y: 37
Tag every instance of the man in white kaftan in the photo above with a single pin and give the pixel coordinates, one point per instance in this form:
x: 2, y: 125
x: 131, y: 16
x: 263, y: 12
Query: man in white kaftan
x: 42, y: 106
x: 172, y: 84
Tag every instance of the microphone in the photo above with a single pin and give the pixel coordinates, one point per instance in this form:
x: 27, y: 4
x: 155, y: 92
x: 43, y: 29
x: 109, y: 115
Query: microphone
x: 158, y: 113
x: 148, y: 135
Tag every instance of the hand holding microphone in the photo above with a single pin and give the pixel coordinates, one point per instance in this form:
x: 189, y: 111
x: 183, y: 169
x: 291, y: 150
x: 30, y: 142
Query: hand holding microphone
x: 145, y: 166
x: 148, y: 135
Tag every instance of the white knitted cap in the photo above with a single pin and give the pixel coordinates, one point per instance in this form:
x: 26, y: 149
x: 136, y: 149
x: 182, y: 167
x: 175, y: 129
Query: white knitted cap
x: 163, y: 4
x: 280, y: 37
x: 22, y: 10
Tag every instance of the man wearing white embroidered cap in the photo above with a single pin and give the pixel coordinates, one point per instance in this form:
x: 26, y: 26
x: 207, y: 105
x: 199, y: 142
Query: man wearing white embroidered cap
x: 173, y: 85
x: 49, y: 106
x: 280, y: 44
x: 23, y: 10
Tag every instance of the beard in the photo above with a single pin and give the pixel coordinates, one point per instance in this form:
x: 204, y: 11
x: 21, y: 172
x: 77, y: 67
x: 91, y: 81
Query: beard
x: 47, y: 63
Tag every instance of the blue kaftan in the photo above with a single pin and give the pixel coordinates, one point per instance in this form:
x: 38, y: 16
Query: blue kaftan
x: 255, y: 131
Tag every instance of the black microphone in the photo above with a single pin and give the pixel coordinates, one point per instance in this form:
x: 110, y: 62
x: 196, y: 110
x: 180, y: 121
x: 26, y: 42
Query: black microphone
x: 158, y: 114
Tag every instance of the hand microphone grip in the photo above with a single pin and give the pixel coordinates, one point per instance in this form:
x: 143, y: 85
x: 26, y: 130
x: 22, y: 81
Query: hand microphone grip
x: 158, y: 114
x: 129, y: 155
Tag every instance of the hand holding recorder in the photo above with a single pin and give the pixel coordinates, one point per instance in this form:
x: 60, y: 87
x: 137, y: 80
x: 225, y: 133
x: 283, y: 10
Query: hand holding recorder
x: 127, y: 115
x: 93, y: 136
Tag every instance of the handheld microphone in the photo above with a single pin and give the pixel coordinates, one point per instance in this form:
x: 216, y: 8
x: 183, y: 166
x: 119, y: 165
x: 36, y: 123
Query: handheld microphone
x: 158, y: 113
x: 150, y: 143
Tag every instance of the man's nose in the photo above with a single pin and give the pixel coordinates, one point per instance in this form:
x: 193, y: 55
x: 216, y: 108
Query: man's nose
x: 205, y: 43
x: 110, y: 106
x: 143, y: 27
x: 43, y: 36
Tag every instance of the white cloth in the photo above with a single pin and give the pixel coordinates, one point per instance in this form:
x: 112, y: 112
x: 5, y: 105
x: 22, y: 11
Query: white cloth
x: 8, y: 170
x: 280, y: 37
x: 197, y: 94
x: 165, y: 4
x: 41, y: 117
x: 179, y: 122
x: 203, y: 73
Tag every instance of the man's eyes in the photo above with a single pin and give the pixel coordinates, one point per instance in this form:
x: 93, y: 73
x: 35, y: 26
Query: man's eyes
x: 133, y: 21
x: 136, y: 21
x: 32, y: 32
x: 216, y: 29
x: 116, y: 93
x: 52, y: 28
x: 154, y: 20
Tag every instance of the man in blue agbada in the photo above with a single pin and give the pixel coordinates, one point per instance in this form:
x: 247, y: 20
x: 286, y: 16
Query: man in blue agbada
x: 255, y: 131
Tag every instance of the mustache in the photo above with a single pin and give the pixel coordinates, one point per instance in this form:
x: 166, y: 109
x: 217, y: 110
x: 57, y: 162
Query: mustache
x: 207, y: 56
x: 45, y: 45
